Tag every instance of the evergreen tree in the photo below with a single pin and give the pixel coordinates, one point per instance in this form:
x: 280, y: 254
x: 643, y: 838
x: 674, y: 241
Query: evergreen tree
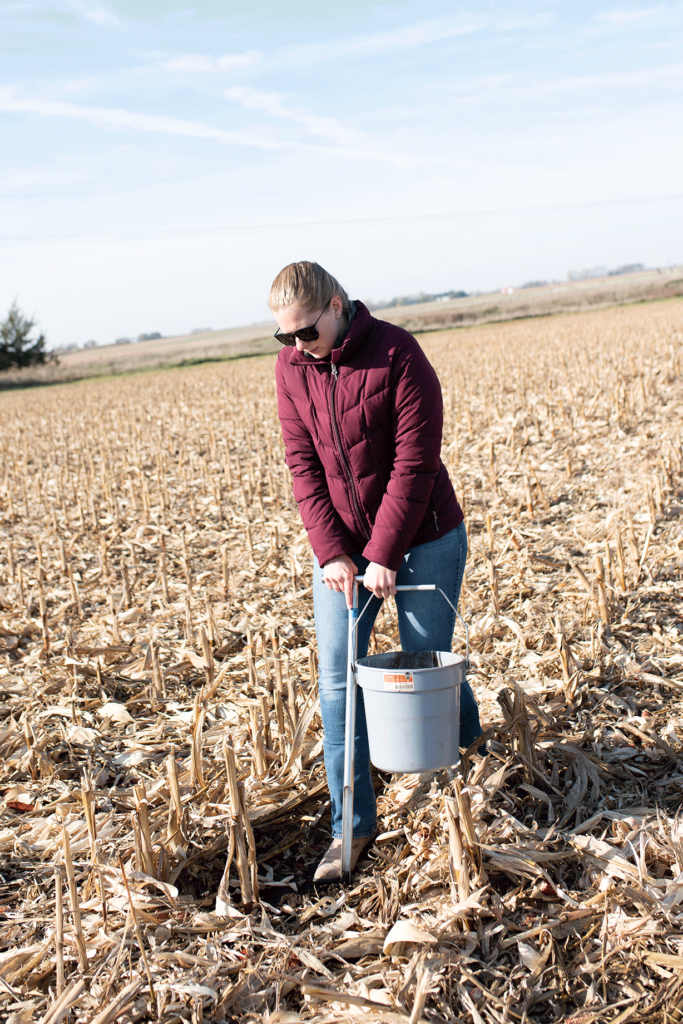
x: 17, y: 349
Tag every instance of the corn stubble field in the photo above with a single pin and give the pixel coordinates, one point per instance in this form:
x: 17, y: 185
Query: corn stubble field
x: 159, y: 712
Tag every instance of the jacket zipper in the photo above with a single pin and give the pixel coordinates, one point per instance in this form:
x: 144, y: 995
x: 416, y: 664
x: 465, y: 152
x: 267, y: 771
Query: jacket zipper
x: 360, y: 518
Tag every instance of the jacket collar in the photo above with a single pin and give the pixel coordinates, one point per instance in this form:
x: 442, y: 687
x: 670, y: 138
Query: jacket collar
x: 358, y: 332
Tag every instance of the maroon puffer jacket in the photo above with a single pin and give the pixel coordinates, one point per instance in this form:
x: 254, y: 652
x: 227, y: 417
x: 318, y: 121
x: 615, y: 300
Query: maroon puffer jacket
x: 362, y: 434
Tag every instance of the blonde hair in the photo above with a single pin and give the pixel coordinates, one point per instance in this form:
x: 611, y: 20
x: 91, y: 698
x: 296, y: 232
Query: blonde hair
x: 308, y: 285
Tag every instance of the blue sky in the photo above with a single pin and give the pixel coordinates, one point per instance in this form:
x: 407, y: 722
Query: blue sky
x: 161, y: 160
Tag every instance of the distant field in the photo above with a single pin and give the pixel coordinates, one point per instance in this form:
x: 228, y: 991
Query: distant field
x: 567, y: 297
x: 207, y: 345
x: 257, y: 339
x: 150, y: 355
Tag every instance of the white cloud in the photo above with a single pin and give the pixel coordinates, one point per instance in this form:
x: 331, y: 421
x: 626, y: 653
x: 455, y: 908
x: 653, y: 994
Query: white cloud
x: 518, y: 88
x: 346, y: 141
x: 271, y: 103
x: 409, y: 36
x: 196, y: 62
x: 418, y: 34
x: 624, y: 17
x: 97, y: 13
x: 100, y: 16
x: 18, y: 180
x: 616, y: 80
x: 116, y: 118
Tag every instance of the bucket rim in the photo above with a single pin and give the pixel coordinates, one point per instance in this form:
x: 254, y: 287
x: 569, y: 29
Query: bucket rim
x: 459, y: 658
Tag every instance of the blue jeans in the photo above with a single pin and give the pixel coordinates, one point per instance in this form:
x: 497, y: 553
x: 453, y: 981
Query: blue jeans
x: 426, y: 623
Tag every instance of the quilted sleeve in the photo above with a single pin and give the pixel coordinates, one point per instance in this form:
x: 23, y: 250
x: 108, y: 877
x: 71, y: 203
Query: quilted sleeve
x: 417, y: 427
x: 326, y: 531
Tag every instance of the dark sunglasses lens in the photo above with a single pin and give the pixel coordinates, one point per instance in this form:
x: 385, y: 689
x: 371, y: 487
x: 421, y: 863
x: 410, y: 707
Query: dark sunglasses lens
x: 306, y: 334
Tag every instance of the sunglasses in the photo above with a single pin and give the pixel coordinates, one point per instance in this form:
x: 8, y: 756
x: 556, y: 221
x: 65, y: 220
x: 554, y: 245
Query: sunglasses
x: 304, y: 334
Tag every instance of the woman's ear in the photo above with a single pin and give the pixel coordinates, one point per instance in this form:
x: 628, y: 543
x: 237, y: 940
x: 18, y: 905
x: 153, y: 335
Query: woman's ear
x: 337, y: 305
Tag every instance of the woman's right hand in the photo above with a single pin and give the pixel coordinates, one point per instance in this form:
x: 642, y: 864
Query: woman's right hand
x: 338, y: 575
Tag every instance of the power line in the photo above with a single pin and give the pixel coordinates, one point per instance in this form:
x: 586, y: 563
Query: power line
x: 225, y: 229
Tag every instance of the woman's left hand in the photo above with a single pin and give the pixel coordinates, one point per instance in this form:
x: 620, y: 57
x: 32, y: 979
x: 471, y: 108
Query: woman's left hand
x: 379, y: 580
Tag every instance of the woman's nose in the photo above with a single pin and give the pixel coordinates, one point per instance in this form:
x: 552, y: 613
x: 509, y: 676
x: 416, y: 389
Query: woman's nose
x: 300, y: 345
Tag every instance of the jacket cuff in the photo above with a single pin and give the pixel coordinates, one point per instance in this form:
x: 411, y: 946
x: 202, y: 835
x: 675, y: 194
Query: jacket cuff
x: 387, y: 549
x: 326, y: 547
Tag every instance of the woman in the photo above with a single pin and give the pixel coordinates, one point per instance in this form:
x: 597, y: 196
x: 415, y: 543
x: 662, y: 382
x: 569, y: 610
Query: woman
x: 361, y: 414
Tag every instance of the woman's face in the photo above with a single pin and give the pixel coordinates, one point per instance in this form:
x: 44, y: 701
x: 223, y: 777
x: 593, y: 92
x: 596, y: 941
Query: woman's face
x: 291, y: 319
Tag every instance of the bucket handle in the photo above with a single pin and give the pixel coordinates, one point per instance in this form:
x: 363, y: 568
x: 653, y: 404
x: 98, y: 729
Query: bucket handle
x: 422, y: 586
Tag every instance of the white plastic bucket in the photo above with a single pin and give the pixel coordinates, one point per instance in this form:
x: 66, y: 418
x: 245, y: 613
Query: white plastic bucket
x: 412, y: 709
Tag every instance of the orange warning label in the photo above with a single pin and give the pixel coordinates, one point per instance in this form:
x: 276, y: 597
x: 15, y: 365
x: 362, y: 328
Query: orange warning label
x: 399, y: 682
